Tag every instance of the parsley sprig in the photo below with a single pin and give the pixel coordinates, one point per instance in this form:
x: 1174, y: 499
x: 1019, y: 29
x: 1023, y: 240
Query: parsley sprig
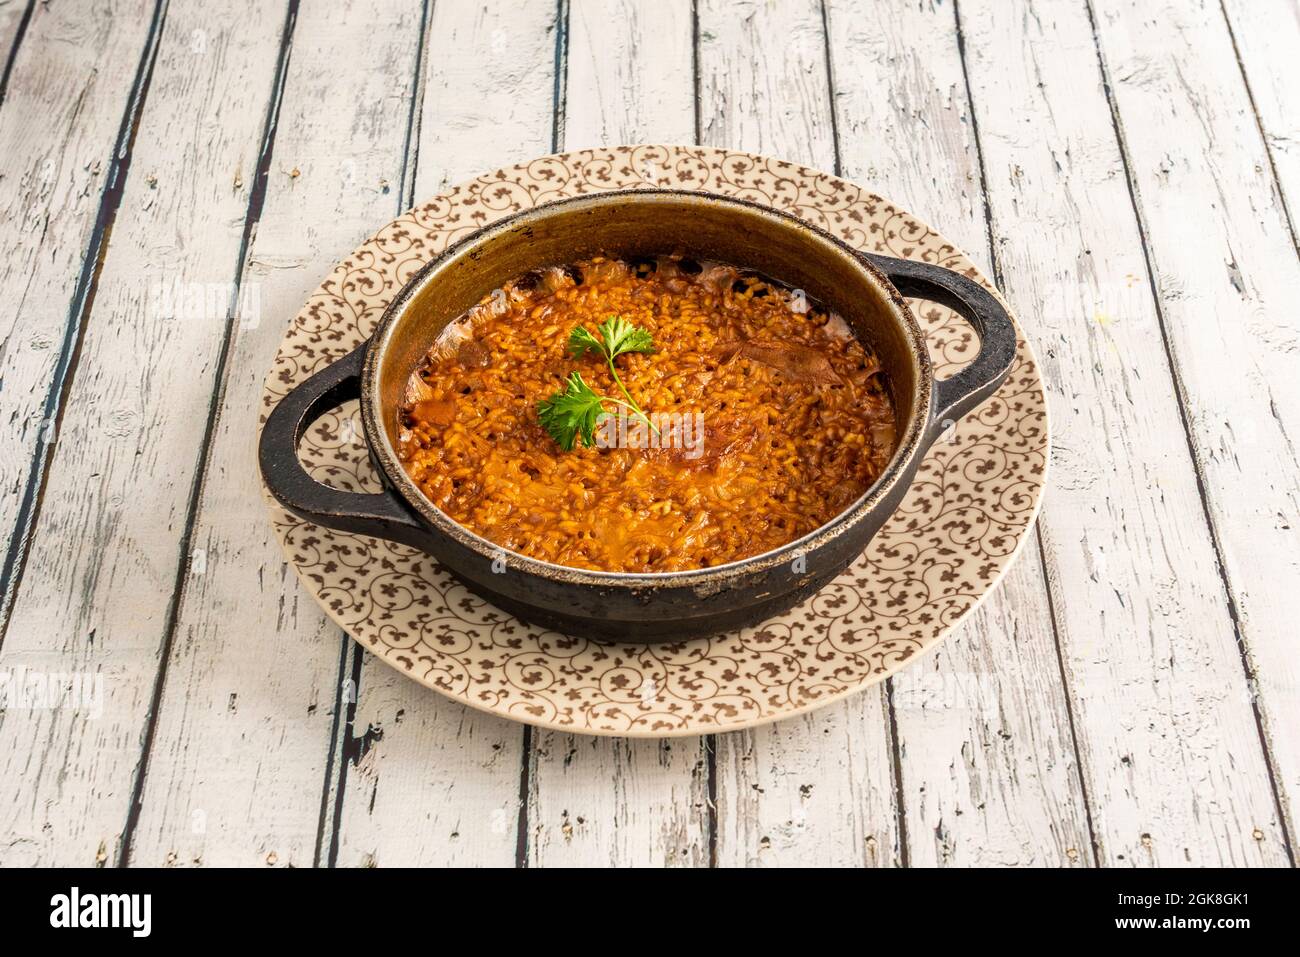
x: 576, y: 411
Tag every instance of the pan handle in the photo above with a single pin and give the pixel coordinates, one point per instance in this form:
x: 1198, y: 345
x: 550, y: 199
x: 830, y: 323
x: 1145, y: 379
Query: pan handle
x: 957, y: 395
x: 365, y: 513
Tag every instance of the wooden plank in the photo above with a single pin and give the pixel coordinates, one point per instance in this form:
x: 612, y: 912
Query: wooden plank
x: 242, y: 745
x: 13, y: 13
x: 490, y: 98
x: 618, y: 802
x: 622, y: 803
x: 784, y: 790
x: 1266, y: 38
x: 630, y: 74
x: 488, y: 102
x: 1228, y: 279
x: 98, y: 584
x: 71, y: 83
x: 1169, y: 751
x: 815, y: 790
x: 988, y: 766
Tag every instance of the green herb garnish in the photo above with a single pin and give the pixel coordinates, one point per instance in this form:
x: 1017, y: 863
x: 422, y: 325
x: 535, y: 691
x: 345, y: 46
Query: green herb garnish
x: 571, y: 413
x: 576, y: 411
x: 617, y: 336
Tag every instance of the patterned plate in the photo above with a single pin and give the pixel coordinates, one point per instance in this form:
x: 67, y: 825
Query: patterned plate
x: 966, y: 515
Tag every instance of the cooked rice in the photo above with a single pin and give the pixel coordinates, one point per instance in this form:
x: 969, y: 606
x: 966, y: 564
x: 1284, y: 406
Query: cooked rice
x: 797, y: 418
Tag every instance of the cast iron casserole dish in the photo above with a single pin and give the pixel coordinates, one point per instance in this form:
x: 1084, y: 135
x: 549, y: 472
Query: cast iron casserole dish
x: 865, y: 289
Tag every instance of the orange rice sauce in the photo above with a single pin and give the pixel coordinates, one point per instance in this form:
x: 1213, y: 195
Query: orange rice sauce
x: 797, y: 419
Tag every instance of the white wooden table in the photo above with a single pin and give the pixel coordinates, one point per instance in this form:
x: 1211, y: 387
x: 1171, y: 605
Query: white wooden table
x: 1128, y: 172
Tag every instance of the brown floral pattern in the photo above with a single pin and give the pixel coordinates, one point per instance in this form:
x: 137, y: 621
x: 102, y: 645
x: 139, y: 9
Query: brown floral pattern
x: 961, y: 523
